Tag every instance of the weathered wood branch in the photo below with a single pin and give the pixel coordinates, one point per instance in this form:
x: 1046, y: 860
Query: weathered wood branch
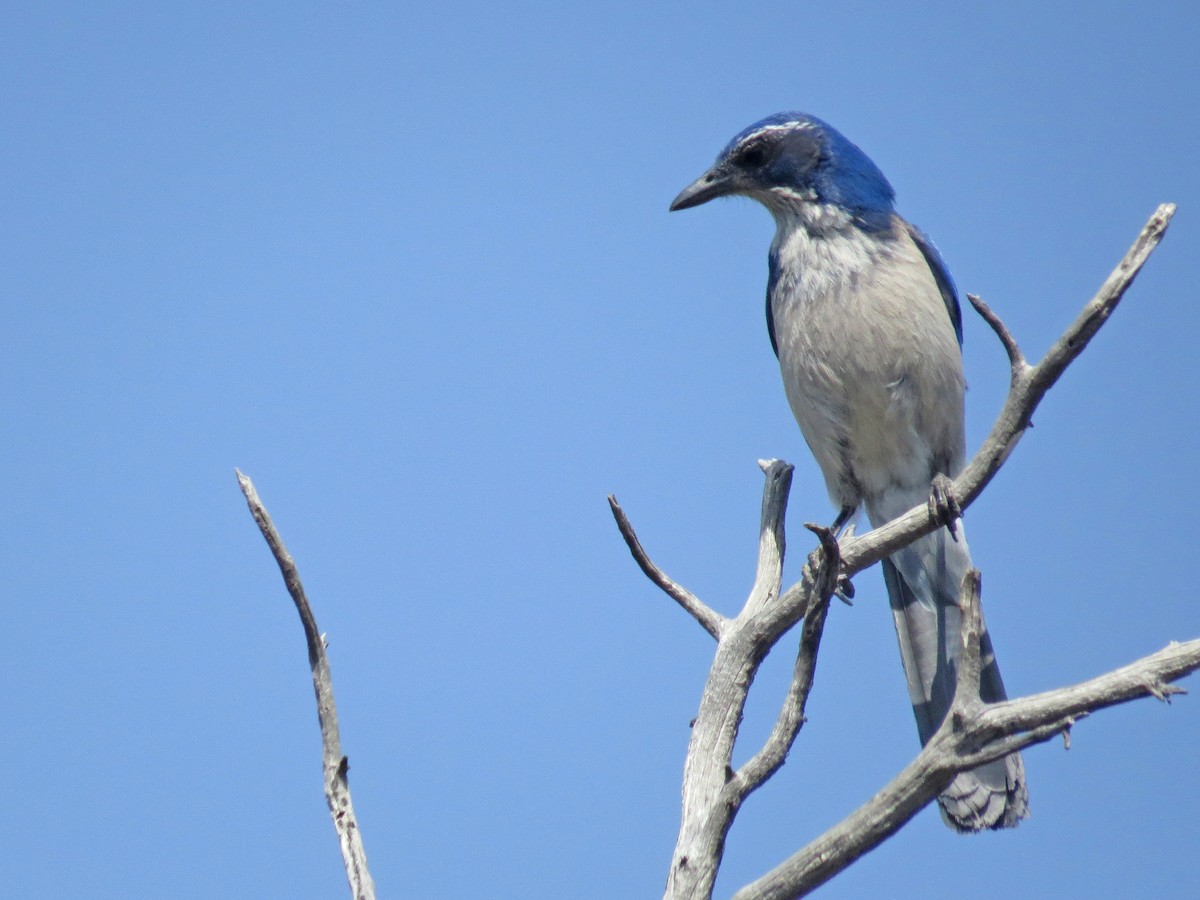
x: 709, y: 620
x: 334, y: 764
x: 822, y: 568
x: 712, y: 791
x: 973, y: 733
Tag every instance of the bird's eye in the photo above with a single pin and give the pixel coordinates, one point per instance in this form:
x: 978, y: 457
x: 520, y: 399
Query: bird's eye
x: 752, y: 157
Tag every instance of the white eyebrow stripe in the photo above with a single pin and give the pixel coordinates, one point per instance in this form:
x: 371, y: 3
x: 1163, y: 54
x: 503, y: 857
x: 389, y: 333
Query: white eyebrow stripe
x: 766, y: 129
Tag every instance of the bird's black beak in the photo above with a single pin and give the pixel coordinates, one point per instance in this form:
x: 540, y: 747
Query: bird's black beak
x: 716, y: 182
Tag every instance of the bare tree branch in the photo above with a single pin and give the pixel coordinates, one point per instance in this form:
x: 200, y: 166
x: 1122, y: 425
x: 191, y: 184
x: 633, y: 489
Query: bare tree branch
x: 822, y: 567
x: 708, y: 811
x: 973, y: 734
x: 337, y: 787
x: 1016, y: 358
x: 710, y: 621
x: 966, y: 685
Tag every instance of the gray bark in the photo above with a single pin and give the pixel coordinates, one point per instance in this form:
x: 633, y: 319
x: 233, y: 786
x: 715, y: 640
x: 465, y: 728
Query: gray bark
x: 334, y: 764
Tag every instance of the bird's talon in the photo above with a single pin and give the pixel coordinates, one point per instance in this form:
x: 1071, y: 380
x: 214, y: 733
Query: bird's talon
x: 844, y: 590
x: 943, y: 505
x: 845, y: 514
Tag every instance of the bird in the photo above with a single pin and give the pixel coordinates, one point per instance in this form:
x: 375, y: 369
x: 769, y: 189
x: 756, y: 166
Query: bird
x: 864, y: 319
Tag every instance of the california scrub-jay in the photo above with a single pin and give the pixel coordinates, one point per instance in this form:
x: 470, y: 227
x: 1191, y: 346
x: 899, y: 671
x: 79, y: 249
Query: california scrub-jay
x: 865, y: 320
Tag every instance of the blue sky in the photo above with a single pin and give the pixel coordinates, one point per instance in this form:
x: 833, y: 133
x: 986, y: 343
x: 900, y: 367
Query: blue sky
x: 411, y: 268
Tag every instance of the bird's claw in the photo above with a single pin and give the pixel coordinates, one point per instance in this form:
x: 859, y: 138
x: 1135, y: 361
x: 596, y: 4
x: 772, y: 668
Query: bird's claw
x: 943, y: 505
x: 844, y: 590
x: 829, y: 553
x: 845, y: 514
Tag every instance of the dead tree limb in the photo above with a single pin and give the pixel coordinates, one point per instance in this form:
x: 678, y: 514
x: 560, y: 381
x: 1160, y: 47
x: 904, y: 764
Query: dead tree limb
x: 335, y: 765
x: 713, y: 792
x: 710, y: 621
x: 972, y: 734
x: 709, y: 803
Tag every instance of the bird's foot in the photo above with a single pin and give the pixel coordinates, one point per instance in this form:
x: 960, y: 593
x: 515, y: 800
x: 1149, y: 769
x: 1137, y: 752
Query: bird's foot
x: 843, y: 527
x: 829, y: 553
x: 943, y: 505
x: 845, y: 514
x: 844, y: 590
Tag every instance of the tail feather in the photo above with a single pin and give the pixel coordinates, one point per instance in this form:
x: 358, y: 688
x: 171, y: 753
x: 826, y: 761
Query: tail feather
x: 923, y: 583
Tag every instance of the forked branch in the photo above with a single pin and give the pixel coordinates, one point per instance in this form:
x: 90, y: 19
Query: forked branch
x: 972, y: 734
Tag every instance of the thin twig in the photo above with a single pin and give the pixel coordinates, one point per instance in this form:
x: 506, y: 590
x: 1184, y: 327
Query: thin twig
x: 335, y: 765
x: 1016, y: 358
x: 711, y: 621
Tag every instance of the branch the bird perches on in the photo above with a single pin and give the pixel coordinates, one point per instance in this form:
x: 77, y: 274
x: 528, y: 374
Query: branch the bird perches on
x: 972, y: 734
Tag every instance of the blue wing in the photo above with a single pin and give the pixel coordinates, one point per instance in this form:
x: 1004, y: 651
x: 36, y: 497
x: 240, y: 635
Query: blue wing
x: 941, y: 275
x: 773, y: 277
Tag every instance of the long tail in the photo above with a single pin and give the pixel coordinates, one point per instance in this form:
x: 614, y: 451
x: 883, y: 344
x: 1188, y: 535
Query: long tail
x: 923, y: 583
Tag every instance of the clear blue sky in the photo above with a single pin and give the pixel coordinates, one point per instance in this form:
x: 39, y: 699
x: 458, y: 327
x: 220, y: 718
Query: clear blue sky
x: 411, y: 268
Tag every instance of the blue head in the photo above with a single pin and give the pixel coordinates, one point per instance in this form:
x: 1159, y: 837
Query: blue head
x: 790, y: 159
